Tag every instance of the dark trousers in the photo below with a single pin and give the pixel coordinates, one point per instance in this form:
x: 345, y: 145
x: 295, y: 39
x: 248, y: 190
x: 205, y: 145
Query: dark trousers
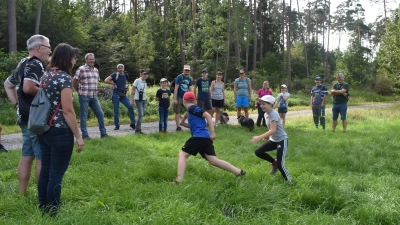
x: 163, y: 123
x: 319, y: 115
x: 56, y: 148
x: 281, y: 149
x: 260, y: 116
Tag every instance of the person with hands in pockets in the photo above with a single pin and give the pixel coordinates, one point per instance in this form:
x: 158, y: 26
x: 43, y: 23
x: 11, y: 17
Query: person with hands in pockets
x: 276, y: 138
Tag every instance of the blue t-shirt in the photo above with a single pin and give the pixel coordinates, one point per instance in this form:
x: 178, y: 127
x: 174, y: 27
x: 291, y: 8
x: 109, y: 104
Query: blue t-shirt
x: 184, y: 83
x: 197, y: 122
x: 120, y: 82
x: 203, y: 87
x: 164, y: 97
x: 318, y: 93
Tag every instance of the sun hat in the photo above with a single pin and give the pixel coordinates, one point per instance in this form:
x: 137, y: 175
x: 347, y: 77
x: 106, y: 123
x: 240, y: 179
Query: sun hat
x: 163, y: 80
x: 283, y: 86
x: 267, y: 98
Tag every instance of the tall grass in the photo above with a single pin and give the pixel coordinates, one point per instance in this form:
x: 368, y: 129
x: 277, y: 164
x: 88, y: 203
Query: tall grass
x: 341, y: 178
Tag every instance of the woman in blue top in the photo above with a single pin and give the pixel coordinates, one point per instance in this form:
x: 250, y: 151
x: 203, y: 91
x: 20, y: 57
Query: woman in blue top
x: 242, y: 94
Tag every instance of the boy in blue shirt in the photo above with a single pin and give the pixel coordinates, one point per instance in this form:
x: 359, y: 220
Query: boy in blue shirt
x: 201, y: 140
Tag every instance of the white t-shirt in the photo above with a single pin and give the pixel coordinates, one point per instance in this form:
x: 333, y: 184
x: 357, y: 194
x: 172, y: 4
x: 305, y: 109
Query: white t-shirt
x: 140, y: 85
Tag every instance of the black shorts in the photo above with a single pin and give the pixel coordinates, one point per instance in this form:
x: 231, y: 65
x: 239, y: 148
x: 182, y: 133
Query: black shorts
x: 217, y: 103
x: 282, y: 109
x: 199, y: 145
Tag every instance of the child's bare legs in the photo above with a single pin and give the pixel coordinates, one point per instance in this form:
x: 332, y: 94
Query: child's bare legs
x: 246, y: 112
x: 238, y: 112
x: 213, y: 160
x: 283, y: 118
x: 182, y: 157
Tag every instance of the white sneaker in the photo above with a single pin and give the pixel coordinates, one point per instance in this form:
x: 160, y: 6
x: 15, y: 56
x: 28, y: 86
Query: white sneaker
x: 216, y: 124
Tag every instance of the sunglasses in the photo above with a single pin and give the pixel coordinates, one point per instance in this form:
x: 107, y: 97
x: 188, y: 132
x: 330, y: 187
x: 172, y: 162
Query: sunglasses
x: 241, y: 73
x: 187, y: 70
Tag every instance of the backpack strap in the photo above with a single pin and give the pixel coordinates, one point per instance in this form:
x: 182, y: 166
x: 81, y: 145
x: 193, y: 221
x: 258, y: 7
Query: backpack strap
x: 59, y: 105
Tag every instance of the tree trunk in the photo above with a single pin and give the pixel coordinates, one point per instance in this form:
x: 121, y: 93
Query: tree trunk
x: 302, y: 39
x: 255, y: 36
x: 194, y: 63
x: 12, y: 27
x: 248, y: 38
x: 228, y: 41
x: 283, y: 36
x: 165, y: 38
x: 261, y: 29
x: 288, y: 46
x: 237, y: 44
x: 39, y: 10
x: 327, y: 48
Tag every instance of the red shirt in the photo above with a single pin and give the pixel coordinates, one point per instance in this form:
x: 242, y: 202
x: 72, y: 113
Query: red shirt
x: 263, y: 92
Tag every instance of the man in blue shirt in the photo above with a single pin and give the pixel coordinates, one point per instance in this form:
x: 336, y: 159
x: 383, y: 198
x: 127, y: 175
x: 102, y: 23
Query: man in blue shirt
x: 203, y: 95
x: 317, y: 102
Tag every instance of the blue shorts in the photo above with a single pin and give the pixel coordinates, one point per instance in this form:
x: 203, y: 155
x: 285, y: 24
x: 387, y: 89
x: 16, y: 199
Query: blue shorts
x: 30, y: 143
x: 339, y: 108
x: 242, y: 101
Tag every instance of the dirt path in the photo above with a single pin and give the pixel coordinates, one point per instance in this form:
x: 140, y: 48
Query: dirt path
x: 14, y: 141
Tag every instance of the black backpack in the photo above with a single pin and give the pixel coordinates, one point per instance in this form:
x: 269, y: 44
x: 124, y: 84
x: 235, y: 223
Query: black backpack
x: 172, y: 85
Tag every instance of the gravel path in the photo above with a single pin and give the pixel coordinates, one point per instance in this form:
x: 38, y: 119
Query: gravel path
x: 14, y: 141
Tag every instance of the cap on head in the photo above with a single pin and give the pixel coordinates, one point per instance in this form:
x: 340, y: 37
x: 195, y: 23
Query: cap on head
x: 186, y: 67
x: 163, y: 80
x: 318, y: 78
x: 283, y: 86
x: 144, y: 71
x: 189, y: 96
x: 204, y: 71
x: 267, y: 98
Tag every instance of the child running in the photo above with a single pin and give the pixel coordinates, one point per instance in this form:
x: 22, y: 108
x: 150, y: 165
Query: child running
x: 277, y: 138
x: 201, y: 140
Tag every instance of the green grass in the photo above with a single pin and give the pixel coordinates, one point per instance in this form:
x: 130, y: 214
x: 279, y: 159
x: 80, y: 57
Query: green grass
x: 341, y: 178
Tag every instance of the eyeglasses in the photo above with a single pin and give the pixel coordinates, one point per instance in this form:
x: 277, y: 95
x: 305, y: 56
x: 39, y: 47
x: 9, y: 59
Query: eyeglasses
x: 49, y: 47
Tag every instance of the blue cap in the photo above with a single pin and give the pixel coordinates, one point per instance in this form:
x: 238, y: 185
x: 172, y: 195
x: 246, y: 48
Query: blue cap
x: 317, y: 78
x: 204, y: 71
x: 144, y: 71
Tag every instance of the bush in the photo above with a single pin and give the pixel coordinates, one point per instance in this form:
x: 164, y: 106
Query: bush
x: 384, y: 86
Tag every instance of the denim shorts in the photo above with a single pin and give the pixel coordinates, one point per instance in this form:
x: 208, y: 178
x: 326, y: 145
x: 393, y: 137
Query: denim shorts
x: 30, y: 143
x: 339, y: 108
x: 242, y: 101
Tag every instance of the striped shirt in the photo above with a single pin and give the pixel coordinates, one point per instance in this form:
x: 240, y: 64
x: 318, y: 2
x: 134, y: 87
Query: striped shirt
x: 87, y: 80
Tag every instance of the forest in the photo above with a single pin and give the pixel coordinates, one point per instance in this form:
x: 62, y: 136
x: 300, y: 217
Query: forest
x: 272, y: 40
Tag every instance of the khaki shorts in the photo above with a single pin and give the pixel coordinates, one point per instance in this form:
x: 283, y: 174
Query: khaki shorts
x: 177, y: 107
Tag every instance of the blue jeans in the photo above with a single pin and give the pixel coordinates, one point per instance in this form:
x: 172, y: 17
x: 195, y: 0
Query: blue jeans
x: 30, y: 144
x: 339, y: 109
x: 56, y: 145
x: 140, y: 107
x: 163, y: 119
x: 94, y: 104
x: 127, y: 104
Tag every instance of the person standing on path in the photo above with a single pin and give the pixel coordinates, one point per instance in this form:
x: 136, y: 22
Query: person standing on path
x: 27, y: 77
x: 340, y: 92
x: 203, y: 95
x: 282, y: 103
x: 317, y: 102
x: 242, y: 92
x: 183, y: 84
x: 138, y: 97
x: 119, y: 81
x: 218, y: 98
x: 163, y: 97
x: 265, y: 90
x: 85, y: 83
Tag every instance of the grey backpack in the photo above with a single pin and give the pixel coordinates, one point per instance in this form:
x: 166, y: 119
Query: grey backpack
x: 39, y: 113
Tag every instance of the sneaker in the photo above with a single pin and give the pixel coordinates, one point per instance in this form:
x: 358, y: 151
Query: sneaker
x: 133, y: 126
x: 241, y: 174
x: 179, y: 129
x: 2, y: 148
x: 274, y: 168
x: 139, y: 132
x: 104, y: 136
x: 216, y: 124
x: 116, y: 128
x: 86, y: 138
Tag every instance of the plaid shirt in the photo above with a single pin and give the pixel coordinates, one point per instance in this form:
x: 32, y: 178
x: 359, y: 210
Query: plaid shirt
x: 87, y: 80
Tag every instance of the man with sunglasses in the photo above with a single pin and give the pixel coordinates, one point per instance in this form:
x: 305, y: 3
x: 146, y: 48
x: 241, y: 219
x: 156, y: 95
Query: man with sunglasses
x: 183, y: 84
x: 27, y: 77
x: 317, y: 102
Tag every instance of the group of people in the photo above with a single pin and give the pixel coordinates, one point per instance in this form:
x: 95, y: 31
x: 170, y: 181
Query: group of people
x: 53, y: 149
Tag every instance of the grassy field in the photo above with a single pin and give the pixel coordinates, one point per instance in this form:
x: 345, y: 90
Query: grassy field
x: 341, y: 178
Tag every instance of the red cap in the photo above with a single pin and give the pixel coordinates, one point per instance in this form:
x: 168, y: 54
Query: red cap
x: 189, y: 96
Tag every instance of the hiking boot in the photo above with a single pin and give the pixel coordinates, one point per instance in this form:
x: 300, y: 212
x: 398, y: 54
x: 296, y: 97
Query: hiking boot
x: 179, y: 129
x: 133, y: 126
x: 2, y: 148
x: 274, y: 168
x: 139, y: 132
x: 116, y: 128
x: 86, y: 138
x: 104, y: 136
